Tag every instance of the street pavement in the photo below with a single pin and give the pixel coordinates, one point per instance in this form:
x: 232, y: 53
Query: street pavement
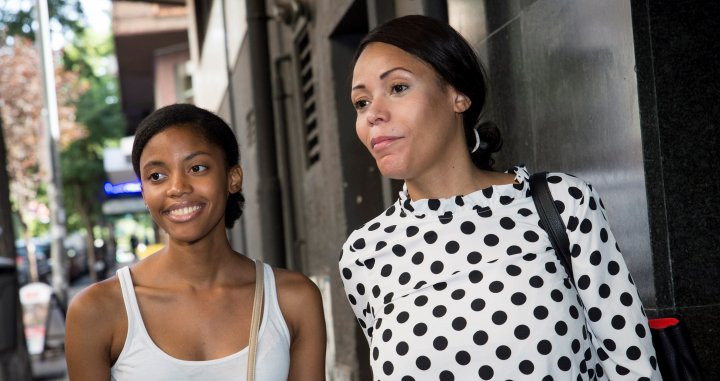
x: 53, y: 367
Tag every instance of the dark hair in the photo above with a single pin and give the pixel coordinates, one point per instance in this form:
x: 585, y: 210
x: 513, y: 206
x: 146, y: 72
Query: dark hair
x: 210, y: 126
x: 449, y: 54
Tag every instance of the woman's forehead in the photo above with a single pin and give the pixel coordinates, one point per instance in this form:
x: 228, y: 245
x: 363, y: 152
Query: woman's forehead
x: 182, y: 133
x: 179, y: 139
x: 379, y: 57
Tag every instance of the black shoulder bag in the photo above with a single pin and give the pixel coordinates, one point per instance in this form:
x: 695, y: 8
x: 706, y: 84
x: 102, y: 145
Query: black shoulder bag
x: 675, y: 354
x: 550, y: 220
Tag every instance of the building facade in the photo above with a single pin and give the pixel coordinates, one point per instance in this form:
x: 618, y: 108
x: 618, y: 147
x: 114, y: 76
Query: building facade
x: 590, y: 88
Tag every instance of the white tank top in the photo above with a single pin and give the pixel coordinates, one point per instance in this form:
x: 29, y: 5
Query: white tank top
x: 141, y: 359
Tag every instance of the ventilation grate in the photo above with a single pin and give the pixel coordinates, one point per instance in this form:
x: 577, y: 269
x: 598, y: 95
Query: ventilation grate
x: 303, y: 50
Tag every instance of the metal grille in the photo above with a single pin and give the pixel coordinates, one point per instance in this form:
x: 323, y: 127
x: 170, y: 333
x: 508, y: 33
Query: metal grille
x: 303, y: 50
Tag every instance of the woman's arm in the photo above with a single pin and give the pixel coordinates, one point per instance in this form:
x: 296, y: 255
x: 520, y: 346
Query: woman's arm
x: 302, y: 306
x: 612, y: 306
x: 354, y: 275
x: 89, y: 332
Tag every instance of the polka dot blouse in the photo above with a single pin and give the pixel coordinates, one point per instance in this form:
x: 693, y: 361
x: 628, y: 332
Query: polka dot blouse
x: 469, y: 288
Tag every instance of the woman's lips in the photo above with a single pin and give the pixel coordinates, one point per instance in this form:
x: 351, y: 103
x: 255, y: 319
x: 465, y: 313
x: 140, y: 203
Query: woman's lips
x: 182, y: 213
x: 382, y: 141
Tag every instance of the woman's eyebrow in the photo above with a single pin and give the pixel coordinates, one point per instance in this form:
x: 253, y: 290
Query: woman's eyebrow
x: 382, y: 76
x: 153, y: 163
x: 386, y: 73
x: 160, y: 163
x: 194, y: 154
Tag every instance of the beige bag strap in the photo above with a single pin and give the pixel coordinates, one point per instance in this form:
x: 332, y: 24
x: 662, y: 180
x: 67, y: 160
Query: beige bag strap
x: 256, y: 317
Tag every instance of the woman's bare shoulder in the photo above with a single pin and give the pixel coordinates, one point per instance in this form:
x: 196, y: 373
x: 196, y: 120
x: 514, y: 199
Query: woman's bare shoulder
x: 96, y: 327
x: 296, y: 292
x: 100, y: 302
x: 301, y: 305
x: 294, y: 283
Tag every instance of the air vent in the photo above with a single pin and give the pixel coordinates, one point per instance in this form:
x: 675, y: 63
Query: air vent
x: 303, y: 49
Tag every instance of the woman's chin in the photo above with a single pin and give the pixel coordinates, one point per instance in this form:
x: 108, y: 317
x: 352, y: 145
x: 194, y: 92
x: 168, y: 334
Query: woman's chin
x: 187, y: 238
x: 392, y: 170
x: 393, y: 174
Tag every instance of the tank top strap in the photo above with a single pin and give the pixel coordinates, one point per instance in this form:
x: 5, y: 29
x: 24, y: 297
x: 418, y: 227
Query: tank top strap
x: 128, y: 293
x: 270, y: 293
x: 272, y: 306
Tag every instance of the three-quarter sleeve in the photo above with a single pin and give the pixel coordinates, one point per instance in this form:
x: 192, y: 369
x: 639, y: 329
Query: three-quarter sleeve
x: 613, y: 309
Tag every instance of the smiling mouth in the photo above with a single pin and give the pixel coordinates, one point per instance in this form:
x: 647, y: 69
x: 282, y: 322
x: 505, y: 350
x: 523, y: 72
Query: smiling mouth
x: 184, y: 213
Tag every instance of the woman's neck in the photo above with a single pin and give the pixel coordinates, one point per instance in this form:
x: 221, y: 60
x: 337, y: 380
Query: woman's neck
x: 201, y: 263
x: 460, y: 178
x: 435, y: 184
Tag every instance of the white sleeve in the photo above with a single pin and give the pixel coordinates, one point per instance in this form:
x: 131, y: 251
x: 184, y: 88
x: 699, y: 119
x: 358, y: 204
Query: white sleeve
x: 613, y: 309
x: 353, y: 274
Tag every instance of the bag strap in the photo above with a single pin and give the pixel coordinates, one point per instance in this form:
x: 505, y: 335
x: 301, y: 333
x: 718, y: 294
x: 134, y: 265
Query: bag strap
x: 256, y: 317
x: 551, y: 221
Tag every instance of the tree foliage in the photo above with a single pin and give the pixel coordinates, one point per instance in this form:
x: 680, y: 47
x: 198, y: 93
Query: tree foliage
x: 99, y: 111
x: 90, y: 117
x: 17, y: 18
x: 21, y: 104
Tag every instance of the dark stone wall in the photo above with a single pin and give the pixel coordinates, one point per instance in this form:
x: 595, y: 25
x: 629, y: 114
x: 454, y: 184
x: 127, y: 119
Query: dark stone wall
x: 564, y: 94
x: 627, y: 96
x: 676, y: 45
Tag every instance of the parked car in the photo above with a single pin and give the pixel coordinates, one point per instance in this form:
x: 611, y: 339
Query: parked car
x: 77, y: 255
x: 42, y: 257
x: 76, y: 264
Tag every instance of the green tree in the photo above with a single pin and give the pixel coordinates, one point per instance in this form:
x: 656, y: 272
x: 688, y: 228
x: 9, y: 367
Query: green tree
x: 17, y: 18
x: 21, y: 102
x: 19, y: 113
x: 97, y: 114
x: 98, y: 110
x: 14, y: 364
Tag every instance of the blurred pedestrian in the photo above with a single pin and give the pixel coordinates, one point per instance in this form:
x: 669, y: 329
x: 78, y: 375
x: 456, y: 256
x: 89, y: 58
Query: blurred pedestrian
x: 134, y: 242
x: 456, y: 280
x: 186, y: 312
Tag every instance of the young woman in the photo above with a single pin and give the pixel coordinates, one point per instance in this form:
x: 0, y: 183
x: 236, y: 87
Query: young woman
x: 456, y: 280
x: 185, y: 312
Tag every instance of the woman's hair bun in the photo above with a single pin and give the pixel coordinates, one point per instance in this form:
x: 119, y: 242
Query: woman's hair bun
x: 490, y: 142
x: 490, y: 137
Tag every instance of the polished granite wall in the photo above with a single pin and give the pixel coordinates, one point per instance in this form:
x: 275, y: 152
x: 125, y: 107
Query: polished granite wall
x: 626, y: 95
x: 563, y: 92
x: 676, y: 45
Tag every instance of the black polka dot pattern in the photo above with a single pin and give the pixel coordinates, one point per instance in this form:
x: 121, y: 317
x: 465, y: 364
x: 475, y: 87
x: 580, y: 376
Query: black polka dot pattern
x: 469, y: 288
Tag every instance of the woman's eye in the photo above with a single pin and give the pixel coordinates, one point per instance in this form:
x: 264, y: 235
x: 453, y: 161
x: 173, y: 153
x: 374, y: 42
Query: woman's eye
x: 361, y: 104
x: 198, y: 168
x: 399, y: 88
x: 156, y: 177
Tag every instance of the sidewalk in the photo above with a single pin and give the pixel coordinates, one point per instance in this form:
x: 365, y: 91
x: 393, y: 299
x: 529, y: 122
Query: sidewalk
x: 54, y: 368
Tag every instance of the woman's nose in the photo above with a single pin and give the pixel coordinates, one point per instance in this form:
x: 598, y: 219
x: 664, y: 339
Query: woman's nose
x: 178, y: 186
x: 377, y: 112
